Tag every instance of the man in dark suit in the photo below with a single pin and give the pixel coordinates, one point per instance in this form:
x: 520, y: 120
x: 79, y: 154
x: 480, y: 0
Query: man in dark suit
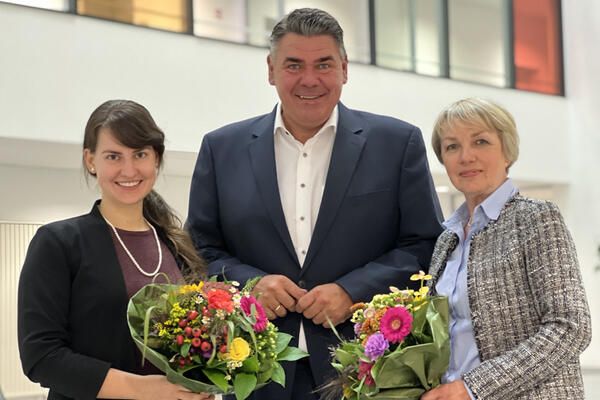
x: 328, y: 205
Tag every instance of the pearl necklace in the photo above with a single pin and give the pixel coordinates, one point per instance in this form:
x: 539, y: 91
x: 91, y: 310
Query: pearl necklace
x: 133, y: 260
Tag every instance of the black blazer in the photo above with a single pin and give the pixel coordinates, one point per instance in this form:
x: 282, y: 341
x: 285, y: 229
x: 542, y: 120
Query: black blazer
x: 72, y: 302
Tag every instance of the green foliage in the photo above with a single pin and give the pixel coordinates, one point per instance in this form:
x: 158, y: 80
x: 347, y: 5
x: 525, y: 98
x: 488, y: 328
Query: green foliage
x: 243, y: 385
x: 278, y: 374
x: 155, y: 316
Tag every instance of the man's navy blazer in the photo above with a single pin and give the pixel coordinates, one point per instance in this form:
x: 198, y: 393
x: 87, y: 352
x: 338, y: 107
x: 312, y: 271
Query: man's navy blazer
x: 377, y: 224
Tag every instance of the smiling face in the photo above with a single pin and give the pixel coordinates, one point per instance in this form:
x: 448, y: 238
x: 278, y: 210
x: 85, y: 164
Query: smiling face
x: 125, y: 175
x: 308, y: 72
x: 474, y: 161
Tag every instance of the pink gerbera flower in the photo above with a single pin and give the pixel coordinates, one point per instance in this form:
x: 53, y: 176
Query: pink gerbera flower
x: 396, y: 324
x: 261, y: 317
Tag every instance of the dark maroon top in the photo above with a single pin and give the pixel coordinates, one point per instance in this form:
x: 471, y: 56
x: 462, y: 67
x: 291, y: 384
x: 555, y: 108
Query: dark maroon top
x: 142, y: 246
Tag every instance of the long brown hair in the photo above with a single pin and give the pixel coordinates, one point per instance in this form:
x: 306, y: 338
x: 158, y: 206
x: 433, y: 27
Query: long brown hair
x: 133, y: 126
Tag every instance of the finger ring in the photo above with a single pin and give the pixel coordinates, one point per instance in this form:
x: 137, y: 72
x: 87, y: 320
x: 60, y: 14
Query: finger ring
x: 278, y: 307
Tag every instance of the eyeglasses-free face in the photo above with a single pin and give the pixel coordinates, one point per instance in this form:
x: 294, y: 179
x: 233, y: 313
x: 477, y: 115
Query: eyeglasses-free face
x: 474, y: 161
x: 125, y: 175
x: 308, y: 73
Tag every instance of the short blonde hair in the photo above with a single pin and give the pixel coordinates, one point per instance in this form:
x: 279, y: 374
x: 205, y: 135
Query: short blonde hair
x: 481, y: 113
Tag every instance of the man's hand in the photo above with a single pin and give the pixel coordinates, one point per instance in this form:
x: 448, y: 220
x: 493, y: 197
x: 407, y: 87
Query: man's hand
x: 277, y: 294
x: 325, y: 301
x: 449, y: 391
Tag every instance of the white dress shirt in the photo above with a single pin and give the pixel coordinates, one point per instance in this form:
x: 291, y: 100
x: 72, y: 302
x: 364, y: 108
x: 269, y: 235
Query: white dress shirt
x: 301, y: 174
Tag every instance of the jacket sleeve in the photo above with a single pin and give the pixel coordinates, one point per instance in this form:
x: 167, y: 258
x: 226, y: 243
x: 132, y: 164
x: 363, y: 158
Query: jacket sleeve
x: 550, y: 261
x: 417, y: 231
x: 44, y: 300
x: 204, y: 226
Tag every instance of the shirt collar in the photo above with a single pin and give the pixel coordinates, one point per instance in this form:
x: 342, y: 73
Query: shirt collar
x: 496, y: 201
x: 280, y: 127
x: 490, y: 208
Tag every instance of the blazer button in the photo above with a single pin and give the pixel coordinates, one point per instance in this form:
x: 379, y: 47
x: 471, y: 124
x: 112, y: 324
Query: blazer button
x: 301, y: 284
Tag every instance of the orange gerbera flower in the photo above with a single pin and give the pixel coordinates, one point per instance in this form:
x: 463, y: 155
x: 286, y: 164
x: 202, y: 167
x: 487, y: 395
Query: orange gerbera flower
x: 219, y: 299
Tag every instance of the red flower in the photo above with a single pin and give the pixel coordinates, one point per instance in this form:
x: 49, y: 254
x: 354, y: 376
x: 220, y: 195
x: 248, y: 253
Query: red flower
x: 219, y: 300
x: 364, y: 371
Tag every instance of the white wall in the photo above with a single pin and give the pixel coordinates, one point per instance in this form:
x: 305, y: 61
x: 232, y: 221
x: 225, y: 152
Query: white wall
x: 581, y: 22
x: 55, y: 68
x: 42, y: 195
x: 62, y: 66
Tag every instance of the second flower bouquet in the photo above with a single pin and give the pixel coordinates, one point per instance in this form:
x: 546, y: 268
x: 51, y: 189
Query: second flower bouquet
x: 209, y: 337
x: 401, y: 347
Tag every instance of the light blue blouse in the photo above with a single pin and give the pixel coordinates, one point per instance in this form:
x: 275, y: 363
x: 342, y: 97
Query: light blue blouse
x: 453, y: 282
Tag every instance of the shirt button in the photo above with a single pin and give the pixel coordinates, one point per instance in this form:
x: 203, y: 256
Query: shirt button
x: 304, y: 155
x: 301, y: 218
x: 303, y: 252
x: 302, y: 185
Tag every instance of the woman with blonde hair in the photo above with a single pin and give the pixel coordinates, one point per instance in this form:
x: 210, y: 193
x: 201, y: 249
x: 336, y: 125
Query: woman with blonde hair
x: 519, y: 315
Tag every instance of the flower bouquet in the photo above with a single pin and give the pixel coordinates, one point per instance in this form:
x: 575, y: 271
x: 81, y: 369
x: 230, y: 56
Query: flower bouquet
x: 401, y: 348
x: 209, y: 337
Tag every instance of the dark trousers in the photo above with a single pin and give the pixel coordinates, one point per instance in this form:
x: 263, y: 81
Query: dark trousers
x: 304, y: 383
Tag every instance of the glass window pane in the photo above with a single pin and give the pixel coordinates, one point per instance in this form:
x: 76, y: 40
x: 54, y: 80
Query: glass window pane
x: 220, y: 19
x: 393, y: 34
x: 262, y: 17
x: 537, y: 45
x: 427, y: 36
x: 168, y: 15
x: 407, y: 35
x: 478, y: 46
x: 59, y: 5
x: 353, y: 16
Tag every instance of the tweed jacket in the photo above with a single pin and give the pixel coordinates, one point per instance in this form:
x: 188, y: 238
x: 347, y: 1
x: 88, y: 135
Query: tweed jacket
x: 528, y: 307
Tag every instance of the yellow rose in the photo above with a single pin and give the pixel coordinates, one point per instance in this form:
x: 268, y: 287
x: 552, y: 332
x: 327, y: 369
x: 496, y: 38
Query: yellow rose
x: 239, y: 350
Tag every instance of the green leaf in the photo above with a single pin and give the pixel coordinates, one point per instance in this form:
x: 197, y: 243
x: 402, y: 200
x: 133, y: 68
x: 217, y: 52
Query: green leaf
x: 250, y: 365
x: 230, y: 332
x: 217, y: 377
x: 345, y: 358
x: 291, y: 354
x: 283, y: 339
x: 264, y: 376
x: 243, y: 385
x: 162, y: 275
x: 278, y: 374
x: 250, y: 283
x: 196, y: 358
x: 266, y: 365
x: 185, y: 349
x: 146, y: 330
x: 338, y: 367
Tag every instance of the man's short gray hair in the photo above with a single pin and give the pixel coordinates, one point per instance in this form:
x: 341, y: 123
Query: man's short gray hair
x: 308, y: 22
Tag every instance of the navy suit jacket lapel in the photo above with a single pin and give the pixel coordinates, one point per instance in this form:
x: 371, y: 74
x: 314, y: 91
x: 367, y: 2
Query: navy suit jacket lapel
x: 346, y: 152
x: 262, y: 158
